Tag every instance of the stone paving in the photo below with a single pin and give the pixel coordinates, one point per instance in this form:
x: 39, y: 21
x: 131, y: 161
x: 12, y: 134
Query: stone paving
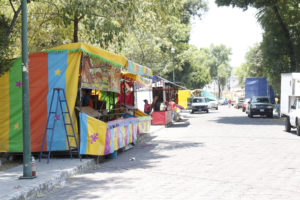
x: 222, y: 155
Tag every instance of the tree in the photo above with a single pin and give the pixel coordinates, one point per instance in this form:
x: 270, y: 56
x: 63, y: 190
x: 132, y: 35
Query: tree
x: 280, y: 20
x: 219, y: 67
x: 6, y: 29
x: 253, y: 66
x: 155, y: 32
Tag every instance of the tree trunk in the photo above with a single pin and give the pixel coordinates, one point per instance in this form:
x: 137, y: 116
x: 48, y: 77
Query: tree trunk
x: 287, y: 35
x: 75, y: 34
x: 219, y: 89
x: 12, y: 24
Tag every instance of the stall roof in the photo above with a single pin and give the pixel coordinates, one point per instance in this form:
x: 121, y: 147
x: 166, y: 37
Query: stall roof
x: 138, y: 69
x: 158, y: 78
x: 105, y: 56
x: 137, y: 79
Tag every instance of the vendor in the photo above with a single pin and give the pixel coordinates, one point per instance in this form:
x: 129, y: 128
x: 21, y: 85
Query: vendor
x: 86, y: 99
x: 147, y: 107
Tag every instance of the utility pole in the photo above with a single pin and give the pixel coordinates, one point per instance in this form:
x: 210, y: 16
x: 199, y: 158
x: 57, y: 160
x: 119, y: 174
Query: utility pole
x: 27, y: 168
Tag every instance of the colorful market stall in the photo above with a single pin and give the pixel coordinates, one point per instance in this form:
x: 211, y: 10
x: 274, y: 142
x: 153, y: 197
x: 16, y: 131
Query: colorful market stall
x: 105, y: 125
x: 165, y: 91
x: 70, y: 67
x: 160, y: 115
x: 47, y: 70
x: 136, y: 79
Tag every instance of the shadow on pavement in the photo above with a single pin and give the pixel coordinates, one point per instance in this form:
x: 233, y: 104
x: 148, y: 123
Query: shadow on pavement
x: 179, y: 124
x: 106, y: 175
x: 245, y: 120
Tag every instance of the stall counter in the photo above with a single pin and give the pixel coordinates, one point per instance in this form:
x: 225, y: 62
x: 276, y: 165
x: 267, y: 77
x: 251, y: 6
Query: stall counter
x: 162, y: 117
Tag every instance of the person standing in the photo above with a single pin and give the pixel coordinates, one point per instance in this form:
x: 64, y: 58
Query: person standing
x: 147, y: 107
x: 229, y: 103
x: 172, y: 105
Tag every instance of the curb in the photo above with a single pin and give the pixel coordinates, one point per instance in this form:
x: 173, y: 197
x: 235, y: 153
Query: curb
x: 40, y: 189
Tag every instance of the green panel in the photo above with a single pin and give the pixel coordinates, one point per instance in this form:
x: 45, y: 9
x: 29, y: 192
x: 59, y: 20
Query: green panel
x: 15, y: 104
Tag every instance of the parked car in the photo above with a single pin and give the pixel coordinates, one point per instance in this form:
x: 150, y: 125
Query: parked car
x: 259, y: 105
x: 223, y: 101
x: 197, y: 104
x: 245, y: 103
x: 213, y: 104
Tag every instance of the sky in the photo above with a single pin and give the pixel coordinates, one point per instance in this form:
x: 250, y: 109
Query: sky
x: 232, y: 27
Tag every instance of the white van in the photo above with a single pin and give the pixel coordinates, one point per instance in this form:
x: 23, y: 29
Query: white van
x: 197, y: 104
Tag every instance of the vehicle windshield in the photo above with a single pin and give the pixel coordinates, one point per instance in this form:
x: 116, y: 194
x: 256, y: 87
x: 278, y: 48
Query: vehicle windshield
x: 261, y: 100
x: 200, y: 100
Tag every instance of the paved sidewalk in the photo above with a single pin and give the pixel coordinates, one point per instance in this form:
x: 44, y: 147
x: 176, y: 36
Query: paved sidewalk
x: 49, y: 176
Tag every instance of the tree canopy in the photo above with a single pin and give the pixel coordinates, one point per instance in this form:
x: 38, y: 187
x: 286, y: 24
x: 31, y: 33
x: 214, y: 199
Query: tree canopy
x: 143, y: 31
x: 279, y: 51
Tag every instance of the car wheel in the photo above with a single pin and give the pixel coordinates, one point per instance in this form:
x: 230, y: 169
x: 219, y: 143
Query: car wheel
x: 217, y: 108
x: 298, y: 129
x: 207, y: 111
x: 192, y: 111
x: 287, y: 124
x: 270, y: 115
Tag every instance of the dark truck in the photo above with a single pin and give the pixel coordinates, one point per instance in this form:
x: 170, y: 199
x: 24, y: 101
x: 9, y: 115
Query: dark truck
x: 260, y: 105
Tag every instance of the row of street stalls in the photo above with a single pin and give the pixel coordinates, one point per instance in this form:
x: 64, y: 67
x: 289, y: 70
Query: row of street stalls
x: 104, y: 93
x: 91, y: 80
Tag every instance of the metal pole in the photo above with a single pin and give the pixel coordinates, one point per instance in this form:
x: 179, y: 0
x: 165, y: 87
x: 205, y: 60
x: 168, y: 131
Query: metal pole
x: 27, y: 168
x: 173, y: 68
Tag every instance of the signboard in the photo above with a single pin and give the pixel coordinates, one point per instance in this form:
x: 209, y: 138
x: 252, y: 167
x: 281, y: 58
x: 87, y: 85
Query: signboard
x: 100, y: 76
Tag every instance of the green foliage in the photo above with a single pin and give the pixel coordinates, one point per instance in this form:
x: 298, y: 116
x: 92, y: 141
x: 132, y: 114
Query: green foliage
x: 4, y: 43
x: 144, y: 31
x: 253, y: 67
x: 219, y: 67
x: 279, y: 51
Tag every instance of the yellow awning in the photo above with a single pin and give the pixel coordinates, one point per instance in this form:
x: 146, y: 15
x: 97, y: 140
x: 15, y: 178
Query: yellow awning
x: 106, y: 56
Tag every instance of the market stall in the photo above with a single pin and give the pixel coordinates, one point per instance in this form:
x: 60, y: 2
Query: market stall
x: 115, y: 126
x: 82, y: 72
x: 136, y: 79
x: 160, y: 115
x: 165, y: 91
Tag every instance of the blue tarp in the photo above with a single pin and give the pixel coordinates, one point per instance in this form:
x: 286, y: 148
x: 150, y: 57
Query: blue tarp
x: 271, y: 94
x: 256, y: 87
x: 208, y: 95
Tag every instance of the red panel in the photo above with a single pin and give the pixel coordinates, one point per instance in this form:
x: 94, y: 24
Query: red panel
x: 159, y: 118
x: 38, y: 90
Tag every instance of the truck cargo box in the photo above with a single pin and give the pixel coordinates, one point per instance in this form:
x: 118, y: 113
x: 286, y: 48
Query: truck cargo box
x: 290, y: 88
x: 256, y: 87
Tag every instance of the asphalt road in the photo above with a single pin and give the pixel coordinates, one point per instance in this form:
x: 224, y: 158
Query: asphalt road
x: 222, y: 155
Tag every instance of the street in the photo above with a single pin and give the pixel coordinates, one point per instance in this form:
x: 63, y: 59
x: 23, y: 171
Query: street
x: 222, y: 155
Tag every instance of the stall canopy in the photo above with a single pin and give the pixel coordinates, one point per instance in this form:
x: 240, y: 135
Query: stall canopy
x: 137, y: 80
x: 156, y: 79
x: 137, y: 69
x: 208, y: 95
x: 54, y: 68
